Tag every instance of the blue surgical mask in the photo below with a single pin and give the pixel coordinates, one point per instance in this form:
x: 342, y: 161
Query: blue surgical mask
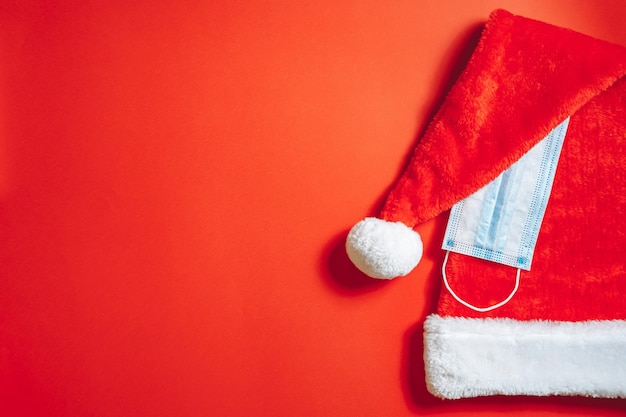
x: 501, y: 221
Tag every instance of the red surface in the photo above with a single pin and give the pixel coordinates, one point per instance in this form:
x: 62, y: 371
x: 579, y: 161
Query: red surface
x: 176, y: 182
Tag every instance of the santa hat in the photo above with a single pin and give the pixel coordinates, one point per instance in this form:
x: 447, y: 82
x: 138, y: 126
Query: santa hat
x: 529, y: 152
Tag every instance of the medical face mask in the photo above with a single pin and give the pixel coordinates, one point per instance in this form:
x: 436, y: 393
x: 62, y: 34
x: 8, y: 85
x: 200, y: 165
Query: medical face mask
x: 501, y: 221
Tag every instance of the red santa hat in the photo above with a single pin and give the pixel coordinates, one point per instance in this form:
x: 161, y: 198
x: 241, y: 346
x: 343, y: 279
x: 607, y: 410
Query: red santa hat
x: 529, y: 152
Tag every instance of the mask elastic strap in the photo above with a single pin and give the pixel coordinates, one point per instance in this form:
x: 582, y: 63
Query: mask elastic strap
x: 466, y: 304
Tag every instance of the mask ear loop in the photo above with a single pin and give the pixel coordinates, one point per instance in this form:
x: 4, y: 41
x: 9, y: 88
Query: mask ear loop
x: 465, y: 303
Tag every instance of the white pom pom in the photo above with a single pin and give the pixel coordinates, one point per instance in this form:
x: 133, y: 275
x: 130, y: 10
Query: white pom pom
x: 383, y: 249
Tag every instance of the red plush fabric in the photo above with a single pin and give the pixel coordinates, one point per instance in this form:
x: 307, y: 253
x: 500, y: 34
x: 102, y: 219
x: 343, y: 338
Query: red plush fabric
x: 523, y: 80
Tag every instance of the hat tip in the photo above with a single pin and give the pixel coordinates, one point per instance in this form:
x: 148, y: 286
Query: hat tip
x: 383, y: 249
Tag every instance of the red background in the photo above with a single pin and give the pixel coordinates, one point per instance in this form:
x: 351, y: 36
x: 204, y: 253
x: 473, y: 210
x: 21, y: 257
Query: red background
x: 177, y: 179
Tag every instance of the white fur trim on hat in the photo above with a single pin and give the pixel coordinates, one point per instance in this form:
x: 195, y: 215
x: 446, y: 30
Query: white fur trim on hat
x: 383, y: 249
x: 475, y: 357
